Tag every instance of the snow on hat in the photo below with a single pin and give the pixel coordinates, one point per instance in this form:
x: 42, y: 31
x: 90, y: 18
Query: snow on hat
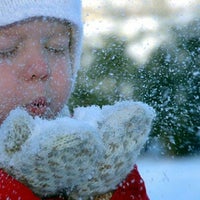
x: 12, y: 11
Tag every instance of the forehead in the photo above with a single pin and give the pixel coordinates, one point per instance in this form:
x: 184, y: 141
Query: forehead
x: 35, y: 26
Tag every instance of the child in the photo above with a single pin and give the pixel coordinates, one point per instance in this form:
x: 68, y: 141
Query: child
x: 40, y: 47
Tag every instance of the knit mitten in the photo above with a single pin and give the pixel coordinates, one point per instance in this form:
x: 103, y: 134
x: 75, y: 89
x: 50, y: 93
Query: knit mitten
x: 49, y: 156
x: 124, y: 128
x: 68, y: 154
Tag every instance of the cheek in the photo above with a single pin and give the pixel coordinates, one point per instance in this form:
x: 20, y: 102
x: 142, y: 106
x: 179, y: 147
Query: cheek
x: 9, y: 98
x: 61, y: 82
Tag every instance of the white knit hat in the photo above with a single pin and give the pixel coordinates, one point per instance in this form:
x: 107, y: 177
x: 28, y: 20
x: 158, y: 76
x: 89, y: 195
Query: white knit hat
x: 16, y: 10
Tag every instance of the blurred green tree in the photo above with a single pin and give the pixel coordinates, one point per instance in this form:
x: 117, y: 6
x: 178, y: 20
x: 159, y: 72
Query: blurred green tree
x: 169, y: 81
x: 109, y: 72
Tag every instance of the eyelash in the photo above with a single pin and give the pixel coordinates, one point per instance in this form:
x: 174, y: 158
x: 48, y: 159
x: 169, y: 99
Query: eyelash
x: 12, y: 51
x: 56, y: 51
x: 9, y: 53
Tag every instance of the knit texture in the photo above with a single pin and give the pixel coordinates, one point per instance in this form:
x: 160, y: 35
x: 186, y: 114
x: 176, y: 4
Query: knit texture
x: 48, y: 156
x: 82, y: 157
x: 124, y: 128
x: 131, y: 188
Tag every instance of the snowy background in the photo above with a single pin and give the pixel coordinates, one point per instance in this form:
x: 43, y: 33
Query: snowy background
x: 171, y: 179
x: 130, y: 19
x: 145, y: 25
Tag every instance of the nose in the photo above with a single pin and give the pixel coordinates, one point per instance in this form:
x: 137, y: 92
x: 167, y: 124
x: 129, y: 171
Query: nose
x: 38, y: 70
x: 36, y: 66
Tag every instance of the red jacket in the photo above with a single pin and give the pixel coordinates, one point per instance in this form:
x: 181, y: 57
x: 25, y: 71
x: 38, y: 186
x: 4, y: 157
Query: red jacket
x: 132, y: 187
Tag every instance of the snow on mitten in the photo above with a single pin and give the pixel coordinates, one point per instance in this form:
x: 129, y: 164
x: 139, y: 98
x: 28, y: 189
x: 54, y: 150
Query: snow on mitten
x: 124, y: 128
x: 14, y: 132
x: 49, y: 156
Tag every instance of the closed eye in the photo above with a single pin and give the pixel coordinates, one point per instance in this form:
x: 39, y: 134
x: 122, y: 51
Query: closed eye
x: 56, y: 50
x: 7, y: 53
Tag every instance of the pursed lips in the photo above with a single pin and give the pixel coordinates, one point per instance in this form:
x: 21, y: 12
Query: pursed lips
x: 38, y: 106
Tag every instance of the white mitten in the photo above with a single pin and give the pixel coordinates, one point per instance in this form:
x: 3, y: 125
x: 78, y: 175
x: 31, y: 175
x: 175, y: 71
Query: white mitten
x: 124, y: 128
x: 67, y: 154
x: 49, y: 156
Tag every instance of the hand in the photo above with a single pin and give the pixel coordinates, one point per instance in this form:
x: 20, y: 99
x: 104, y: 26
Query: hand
x: 124, y: 128
x: 48, y: 156
x: 84, y: 156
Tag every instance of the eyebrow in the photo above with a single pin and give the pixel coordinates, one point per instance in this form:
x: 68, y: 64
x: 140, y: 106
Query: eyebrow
x: 6, y: 31
x: 10, y: 40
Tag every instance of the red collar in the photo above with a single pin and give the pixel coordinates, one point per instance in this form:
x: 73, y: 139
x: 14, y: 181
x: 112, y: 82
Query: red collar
x: 132, y: 188
x: 12, y: 189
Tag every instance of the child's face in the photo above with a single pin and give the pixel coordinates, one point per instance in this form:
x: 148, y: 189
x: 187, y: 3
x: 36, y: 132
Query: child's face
x: 35, y: 68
